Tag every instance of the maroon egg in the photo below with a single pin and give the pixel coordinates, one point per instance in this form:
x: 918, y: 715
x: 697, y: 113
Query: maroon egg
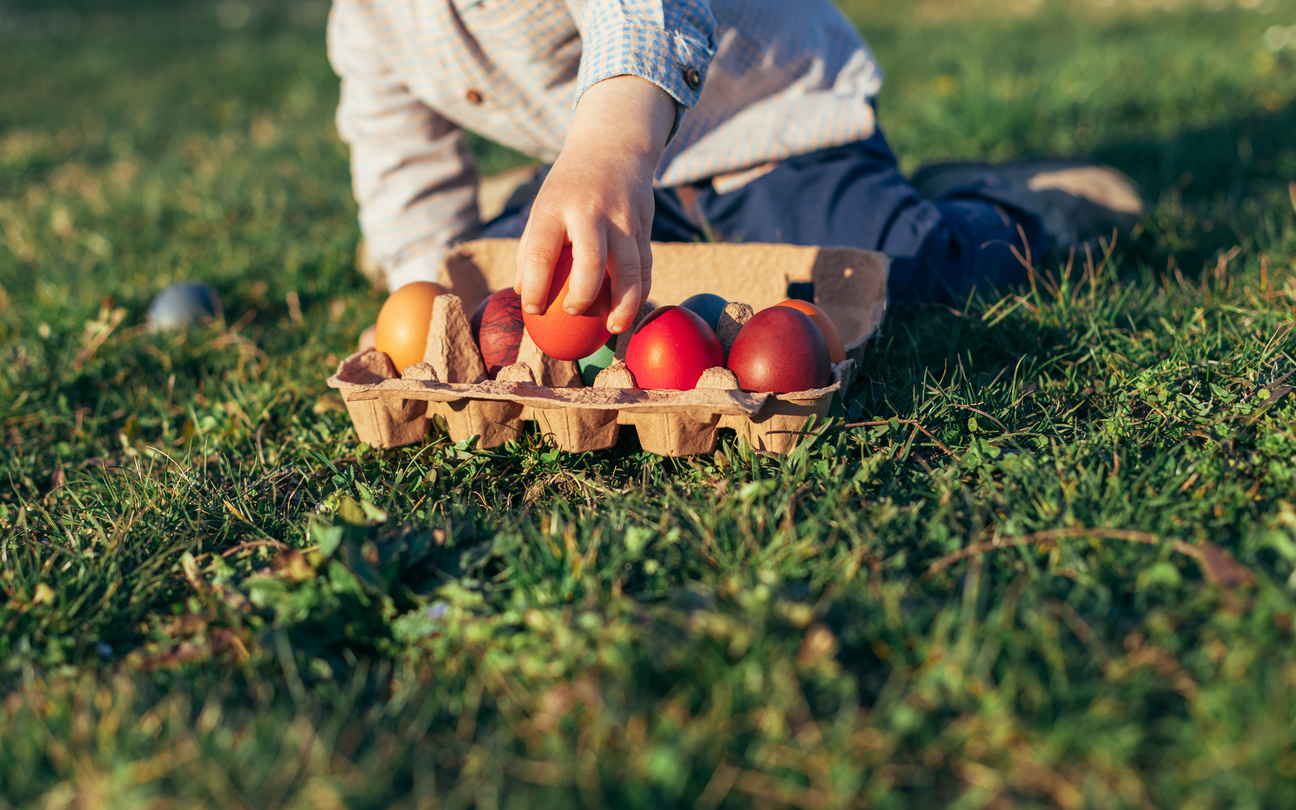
x: 780, y: 351
x: 671, y: 349
x: 497, y: 328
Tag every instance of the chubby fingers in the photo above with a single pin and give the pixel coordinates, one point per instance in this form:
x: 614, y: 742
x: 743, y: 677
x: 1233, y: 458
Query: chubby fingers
x: 624, y: 260
x: 589, y: 267
x: 630, y: 267
x: 542, y: 244
x: 538, y: 254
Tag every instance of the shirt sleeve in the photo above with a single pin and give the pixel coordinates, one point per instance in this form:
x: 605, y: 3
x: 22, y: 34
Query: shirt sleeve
x: 668, y: 42
x: 415, y: 180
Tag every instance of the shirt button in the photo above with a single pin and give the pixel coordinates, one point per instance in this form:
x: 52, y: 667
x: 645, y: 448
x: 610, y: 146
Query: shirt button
x: 693, y: 78
x: 474, y: 97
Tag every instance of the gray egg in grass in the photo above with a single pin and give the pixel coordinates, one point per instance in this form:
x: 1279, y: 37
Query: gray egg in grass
x: 183, y: 304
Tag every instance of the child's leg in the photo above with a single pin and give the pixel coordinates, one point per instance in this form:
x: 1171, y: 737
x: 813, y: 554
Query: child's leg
x: 855, y: 196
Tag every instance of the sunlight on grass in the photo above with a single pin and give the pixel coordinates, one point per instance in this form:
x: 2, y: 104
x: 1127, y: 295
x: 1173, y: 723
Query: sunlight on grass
x: 1044, y: 557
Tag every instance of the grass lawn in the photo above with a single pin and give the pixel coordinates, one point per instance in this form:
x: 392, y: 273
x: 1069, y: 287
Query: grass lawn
x: 1057, y: 568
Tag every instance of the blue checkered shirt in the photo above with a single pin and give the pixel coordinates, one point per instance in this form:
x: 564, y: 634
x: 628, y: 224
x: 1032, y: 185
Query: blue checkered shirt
x: 756, y: 81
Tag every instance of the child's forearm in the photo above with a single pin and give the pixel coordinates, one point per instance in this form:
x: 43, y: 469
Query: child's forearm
x: 414, y: 180
x: 599, y: 198
x: 628, y: 111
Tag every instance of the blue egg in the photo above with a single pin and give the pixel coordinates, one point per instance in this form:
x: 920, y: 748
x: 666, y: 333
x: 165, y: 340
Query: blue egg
x: 706, y: 306
x: 183, y: 304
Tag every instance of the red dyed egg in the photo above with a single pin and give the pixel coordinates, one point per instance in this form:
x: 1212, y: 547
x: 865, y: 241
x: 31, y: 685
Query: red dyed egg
x: 497, y: 328
x: 780, y: 351
x: 569, y: 337
x: 671, y: 349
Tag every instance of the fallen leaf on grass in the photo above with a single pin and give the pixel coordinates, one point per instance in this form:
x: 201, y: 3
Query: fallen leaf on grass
x: 1220, y: 567
x: 293, y: 566
x: 96, y: 332
x: 1217, y: 565
x: 190, y: 567
x: 819, y: 644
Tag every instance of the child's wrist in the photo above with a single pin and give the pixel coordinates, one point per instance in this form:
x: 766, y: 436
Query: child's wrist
x: 628, y: 111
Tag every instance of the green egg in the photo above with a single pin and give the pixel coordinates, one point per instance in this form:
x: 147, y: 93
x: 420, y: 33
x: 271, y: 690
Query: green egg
x: 596, y: 362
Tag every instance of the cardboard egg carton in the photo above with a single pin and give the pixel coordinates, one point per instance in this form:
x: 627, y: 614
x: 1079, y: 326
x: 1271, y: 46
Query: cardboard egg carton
x: 391, y: 410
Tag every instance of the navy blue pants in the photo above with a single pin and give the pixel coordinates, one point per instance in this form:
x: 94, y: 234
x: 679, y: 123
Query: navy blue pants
x: 855, y: 196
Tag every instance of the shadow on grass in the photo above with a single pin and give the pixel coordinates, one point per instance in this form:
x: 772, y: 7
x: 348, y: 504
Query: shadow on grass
x: 1209, y: 189
x: 1227, y: 158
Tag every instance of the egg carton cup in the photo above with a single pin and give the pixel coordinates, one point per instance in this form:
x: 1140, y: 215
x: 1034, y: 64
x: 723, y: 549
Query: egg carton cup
x: 392, y: 410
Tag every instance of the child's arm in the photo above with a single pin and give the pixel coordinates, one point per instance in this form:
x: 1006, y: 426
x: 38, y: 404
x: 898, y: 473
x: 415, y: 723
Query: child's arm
x: 599, y: 197
x: 643, y: 62
x: 414, y: 176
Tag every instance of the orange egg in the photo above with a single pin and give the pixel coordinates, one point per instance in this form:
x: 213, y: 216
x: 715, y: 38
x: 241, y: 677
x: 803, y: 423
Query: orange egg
x: 402, y: 329
x: 836, y: 349
x: 569, y: 337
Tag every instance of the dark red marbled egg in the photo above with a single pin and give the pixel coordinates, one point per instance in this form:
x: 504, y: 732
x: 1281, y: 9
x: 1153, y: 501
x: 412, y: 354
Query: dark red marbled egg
x: 497, y: 328
x: 780, y: 351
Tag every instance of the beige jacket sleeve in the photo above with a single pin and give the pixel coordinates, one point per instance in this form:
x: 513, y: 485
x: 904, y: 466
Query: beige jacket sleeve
x: 414, y: 178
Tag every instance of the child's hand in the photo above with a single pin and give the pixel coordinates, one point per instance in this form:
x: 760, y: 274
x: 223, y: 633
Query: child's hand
x: 599, y: 198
